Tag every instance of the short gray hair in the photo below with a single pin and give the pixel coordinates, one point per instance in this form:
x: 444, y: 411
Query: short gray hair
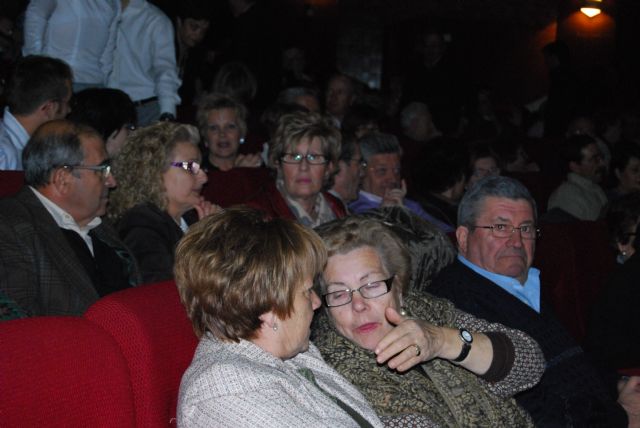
x: 492, y: 186
x: 53, y: 145
x: 289, y: 95
x: 377, y: 143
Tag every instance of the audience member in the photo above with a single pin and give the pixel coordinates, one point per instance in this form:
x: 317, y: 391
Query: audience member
x: 513, y: 156
x: 304, y: 151
x: 160, y: 179
x: 80, y: 33
x: 236, y: 80
x: 580, y: 195
x: 411, y: 354
x: 39, y: 90
x: 223, y: 126
x: 417, y: 123
x: 382, y: 184
x: 483, y: 162
x: 192, y: 23
x: 440, y: 178
x: 613, y: 335
x: 340, y: 95
x: 58, y: 257
x: 109, y: 111
x: 247, y: 285
x: 584, y: 125
x: 346, y: 182
x: 294, y: 68
x: 625, y: 169
x: 301, y: 95
x: 145, y: 61
x: 493, y: 279
x: 361, y: 119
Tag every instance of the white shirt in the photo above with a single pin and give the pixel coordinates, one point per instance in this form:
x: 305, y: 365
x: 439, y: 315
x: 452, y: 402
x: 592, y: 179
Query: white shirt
x: 64, y: 220
x: 144, y: 65
x: 13, y: 138
x: 79, y: 32
x: 580, y: 197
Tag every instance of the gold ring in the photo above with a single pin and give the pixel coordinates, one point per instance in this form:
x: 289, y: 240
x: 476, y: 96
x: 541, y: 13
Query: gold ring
x: 418, y: 350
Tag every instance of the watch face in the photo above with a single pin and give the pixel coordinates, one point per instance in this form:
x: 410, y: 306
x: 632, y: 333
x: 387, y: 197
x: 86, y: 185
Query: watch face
x: 466, y: 336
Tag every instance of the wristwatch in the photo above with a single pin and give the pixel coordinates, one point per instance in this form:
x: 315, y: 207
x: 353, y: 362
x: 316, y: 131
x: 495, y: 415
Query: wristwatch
x: 467, y: 340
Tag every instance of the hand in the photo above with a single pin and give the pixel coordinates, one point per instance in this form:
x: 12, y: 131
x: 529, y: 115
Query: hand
x: 394, y: 197
x: 249, y: 161
x: 629, y: 399
x: 398, y: 349
x: 205, y: 208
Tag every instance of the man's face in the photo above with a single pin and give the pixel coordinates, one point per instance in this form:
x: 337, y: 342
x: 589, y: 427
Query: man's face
x: 591, y: 166
x: 347, y: 180
x: 339, y: 96
x: 89, y: 191
x: 191, y: 31
x: 510, y: 256
x: 382, y: 174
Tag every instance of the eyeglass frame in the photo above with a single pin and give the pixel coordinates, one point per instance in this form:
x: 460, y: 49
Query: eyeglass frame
x: 188, y: 166
x: 305, y: 157
x: 536, y: 230
x: 104, y: 168
x: 388, y: 282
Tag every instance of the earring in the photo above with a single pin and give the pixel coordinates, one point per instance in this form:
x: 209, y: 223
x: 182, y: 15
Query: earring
x: 622, y: 257
x: 403, y: 311
x: 275, y: 327
x: 241, y: 140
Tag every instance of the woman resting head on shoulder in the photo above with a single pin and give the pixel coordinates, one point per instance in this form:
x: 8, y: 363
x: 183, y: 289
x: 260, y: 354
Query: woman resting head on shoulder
x: 223, y: 125
x: 159, y: 180
x: 247, y: 285
x: 415, y: 356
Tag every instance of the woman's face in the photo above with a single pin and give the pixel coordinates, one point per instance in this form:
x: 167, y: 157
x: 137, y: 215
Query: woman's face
x: 294, y: 331
x: 483, y: 167
x: 181, y: 186
x: 362, y: 320
x: 629, y: 177
x: 304, y: 181
x: 223, y: 133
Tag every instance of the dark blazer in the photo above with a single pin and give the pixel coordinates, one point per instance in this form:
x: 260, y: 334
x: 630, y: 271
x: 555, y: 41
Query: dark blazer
x: 38, y: 268
x: 152, y: 236
x: 570, y: 392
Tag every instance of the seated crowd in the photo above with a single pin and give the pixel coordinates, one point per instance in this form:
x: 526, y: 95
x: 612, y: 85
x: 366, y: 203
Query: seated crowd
x: 305, y: 297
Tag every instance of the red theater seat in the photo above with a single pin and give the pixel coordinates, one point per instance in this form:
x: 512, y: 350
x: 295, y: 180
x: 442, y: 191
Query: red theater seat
x: 10, y: 182
x: 235, y: 186
x: 152, y: 329
x: 62, y: 372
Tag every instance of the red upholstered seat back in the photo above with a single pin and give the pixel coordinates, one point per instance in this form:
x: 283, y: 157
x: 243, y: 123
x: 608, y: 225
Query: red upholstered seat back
x: 10, y: 182
x: 62, y: 372
x: 155, y: 335
x: 235, y: 186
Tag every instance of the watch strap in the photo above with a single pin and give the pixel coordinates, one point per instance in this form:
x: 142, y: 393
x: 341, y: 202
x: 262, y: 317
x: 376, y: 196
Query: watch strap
x: 466, y: 348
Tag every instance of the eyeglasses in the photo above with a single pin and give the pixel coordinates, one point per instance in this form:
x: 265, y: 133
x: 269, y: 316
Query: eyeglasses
x: 104, y: 169
x: 382, y: 171
x: 360, y: 161
x: 296, y: 158
x: 192, y: 167
x: 368, y: 291
x: 527, y: 231
x: 129, y: 127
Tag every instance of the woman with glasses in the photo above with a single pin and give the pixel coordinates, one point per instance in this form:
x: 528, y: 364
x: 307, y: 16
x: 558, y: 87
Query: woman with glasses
x: 411, y: 354
x: 304, y: 151
x: 223, y: 125
x: 159, y: 181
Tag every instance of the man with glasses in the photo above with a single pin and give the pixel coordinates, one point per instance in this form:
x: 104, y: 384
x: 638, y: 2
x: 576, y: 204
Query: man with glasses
x: 493, y: 279
x: 56, y: 255
x: 38, y: 91
x: 382, y: 183
x: 346, y: 182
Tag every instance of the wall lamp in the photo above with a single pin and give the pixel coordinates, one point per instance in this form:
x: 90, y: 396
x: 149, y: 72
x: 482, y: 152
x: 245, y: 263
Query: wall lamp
x: 591, y: 8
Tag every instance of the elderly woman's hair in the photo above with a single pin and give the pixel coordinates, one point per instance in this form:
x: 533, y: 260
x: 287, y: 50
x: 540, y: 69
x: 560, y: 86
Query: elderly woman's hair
x: 236, y: 80
x: 218, y: 101
x: 622, y: 219
x: 377, y: 143
x: 237, y: 265
x: 144, y: 158
x: 351, y: 233
x: 54, y: 144
x: 294, y: 127
x: 411, y: 111
x: 492, y: 186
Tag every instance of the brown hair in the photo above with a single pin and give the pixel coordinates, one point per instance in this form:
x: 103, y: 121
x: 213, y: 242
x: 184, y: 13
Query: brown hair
x: 236, y: 265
